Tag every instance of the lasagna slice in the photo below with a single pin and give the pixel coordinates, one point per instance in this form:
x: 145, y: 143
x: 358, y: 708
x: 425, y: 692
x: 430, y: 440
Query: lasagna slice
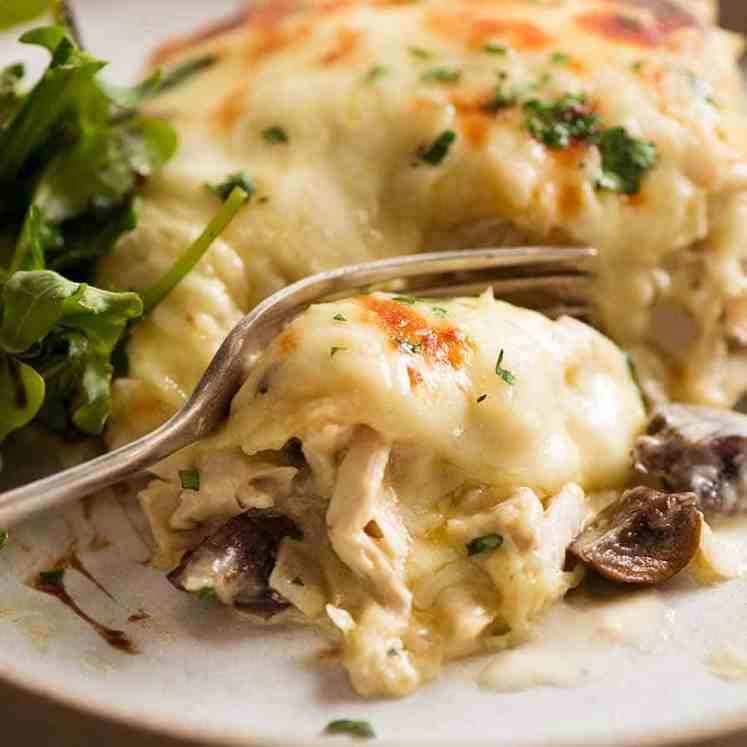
x: 373, y: 128
x: 408, y: 474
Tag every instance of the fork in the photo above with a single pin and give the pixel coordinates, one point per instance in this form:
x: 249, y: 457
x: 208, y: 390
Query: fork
x: 553, y: 280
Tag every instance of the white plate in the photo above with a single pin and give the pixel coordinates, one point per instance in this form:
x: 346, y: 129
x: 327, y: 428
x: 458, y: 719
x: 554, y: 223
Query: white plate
x: 203, y: 673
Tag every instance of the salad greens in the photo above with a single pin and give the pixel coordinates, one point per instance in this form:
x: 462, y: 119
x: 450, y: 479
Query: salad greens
x: 74, y: 151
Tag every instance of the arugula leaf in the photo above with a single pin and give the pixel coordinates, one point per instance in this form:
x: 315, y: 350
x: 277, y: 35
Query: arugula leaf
x: 15, y: 12
x: 34, y: 123
x: 184, y: 264
x: 21, y: 394
x: 67, y: 332
x: 10, y: 90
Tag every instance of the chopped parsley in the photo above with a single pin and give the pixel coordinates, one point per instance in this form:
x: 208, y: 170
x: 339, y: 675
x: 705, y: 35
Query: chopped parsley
x: 498, y: 49
x: 206, y: 594
x: 190, y: 479
x: 637, y: 66
x: 392, y: 652
x: 441, y: 75
x: 439, y: 311
x: 339, y: 318
x: 334, y: 350
x: 297, y: 581
x: 434, y: 153
x: 239, y: 179
x: 275, y: 135
x: 483, y: 544
x: 360, y: 729
x: 503, y: 373
x: 560, y: 58
x: 52, y: 578
x: 420, y: 53
x: 375, y: 72
x: 625, y: 161
x: 482, y: 398
x: 3, y: 538
x: 558, y: 123
x: 501, y: 99
x: 409, y: 300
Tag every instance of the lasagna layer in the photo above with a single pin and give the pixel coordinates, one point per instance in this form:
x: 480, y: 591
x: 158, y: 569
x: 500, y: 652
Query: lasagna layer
x: 424, y: 468
x: 373, y: 129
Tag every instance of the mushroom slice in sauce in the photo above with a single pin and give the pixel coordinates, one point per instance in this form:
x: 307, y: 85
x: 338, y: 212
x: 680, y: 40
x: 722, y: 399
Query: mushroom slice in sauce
x: 236, y: 562
x: 698, y: 449
x: 645, y: 537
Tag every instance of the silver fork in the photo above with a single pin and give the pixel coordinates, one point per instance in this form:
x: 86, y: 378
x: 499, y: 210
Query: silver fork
x: 560, y: 274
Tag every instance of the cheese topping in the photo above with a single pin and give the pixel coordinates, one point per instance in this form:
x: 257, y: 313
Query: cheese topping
x: 373, y: 129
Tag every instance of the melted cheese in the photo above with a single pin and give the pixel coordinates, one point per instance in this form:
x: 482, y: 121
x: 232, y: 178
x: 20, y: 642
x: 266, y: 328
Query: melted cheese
x: 414, y: 447
x: 345, y: 80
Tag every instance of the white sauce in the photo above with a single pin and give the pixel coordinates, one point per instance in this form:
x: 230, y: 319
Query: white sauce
x: 572, y: 641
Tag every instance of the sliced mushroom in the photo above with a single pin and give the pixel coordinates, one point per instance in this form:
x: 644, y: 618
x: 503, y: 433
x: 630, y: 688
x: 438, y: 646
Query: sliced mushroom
x: 644, y: 538
x: 236, y: 562
x: 698, y: 449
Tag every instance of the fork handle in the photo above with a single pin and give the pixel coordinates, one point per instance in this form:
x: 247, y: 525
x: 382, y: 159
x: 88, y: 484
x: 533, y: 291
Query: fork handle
x: 92, y: 476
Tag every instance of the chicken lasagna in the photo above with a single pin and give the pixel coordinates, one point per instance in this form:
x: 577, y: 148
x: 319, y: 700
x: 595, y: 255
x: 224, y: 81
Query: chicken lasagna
x: 380, y: 128
x: 425, y: 478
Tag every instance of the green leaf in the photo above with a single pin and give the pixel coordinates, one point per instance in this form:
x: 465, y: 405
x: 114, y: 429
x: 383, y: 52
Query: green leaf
x: 10, y: 91
x: 503, y: 373
x: 3, y: 538
x: 206, y: 594
x: 625, y: 161
x: 52, y: 578
x: 189, y: 479
x: 485, y: 543
x: 68, y: 332
x: 240, y: 179
x: 184, y: 265
x: 559, y: 123
x: 434, y: 153
x: 178, y: 74
x: 360, y: 729
x: 33, y: 125
x: 441, y: 75
x: 21, y: 394
x: 275, y: 135
x: 15, y: 12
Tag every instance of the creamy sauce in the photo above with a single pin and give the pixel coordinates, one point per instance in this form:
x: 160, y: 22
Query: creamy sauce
x: 729, y: 661
x: 571, y: 643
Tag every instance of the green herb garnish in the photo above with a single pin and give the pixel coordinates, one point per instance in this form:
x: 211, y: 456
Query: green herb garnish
x: 375, y: 72
x: 339, y: 318
x: 51, y: 578
x: 625, y: 161
x: 441, y: 75
x: 485, y: 543
x: 498, y: 49
x: 392, y: 652
x: 239, y: 179
x: 557, y: 124
x: 501, y: 99
x: 439, y: 311
x: 334, y: 350
x: 409, y: 300
x: 503, y: 373
x: 206, y: 594
x: 434, y: 153
x: 637, y: 66
x: 360, y: 729
x: 275, y: 135
x: 190, y: 479
x: 482, y: 398
x: 560, y: 58
x: 420, y: 53
x: 184, y: 265
x: 3, y: 538
x: 175, y: 76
